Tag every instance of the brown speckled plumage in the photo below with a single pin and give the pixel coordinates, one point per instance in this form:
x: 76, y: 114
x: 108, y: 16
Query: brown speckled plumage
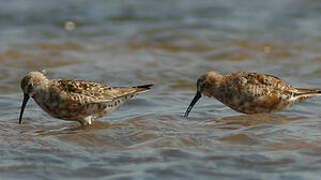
x: 75, y: 100
x: 250, y: 93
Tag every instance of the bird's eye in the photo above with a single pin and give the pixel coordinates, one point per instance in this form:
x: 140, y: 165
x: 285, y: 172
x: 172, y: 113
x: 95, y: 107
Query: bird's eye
x: 30, y: 88
x: 203, y: 85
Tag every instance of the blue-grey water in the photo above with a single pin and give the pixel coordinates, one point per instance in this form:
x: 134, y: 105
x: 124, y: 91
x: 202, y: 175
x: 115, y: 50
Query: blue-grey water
x: 169, y: 43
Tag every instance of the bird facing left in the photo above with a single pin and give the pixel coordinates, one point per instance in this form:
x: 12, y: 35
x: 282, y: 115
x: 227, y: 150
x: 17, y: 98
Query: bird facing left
x: 75, y: 100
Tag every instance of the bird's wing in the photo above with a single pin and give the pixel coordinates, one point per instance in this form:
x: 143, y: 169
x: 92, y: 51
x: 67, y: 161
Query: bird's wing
x: 254, y: 84
x: 85, y: 92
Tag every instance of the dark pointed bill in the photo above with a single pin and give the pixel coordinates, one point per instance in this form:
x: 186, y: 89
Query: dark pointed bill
x: 24, y: 103
x: 196, y: 98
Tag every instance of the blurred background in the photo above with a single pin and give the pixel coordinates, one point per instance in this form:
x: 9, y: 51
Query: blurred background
x: 169, y: 43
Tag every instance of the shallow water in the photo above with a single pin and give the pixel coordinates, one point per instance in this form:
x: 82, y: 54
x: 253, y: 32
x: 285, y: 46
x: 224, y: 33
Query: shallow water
x: 170, y: 44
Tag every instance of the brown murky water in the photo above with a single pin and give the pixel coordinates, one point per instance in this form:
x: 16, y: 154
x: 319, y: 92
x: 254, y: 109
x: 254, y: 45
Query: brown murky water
x: 170, y: 44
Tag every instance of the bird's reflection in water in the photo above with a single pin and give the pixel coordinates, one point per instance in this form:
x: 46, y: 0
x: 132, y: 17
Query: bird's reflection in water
x: 71, y: 128
x: 252, y: 120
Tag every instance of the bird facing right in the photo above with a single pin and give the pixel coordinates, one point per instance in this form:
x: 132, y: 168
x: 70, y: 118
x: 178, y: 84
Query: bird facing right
x: 250, y: 93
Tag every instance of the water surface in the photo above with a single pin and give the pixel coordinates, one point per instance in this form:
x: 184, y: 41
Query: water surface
x: 170, y: 44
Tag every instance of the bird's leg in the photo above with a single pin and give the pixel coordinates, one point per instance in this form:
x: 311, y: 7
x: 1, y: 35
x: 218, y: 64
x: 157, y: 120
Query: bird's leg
x: 86, y: 121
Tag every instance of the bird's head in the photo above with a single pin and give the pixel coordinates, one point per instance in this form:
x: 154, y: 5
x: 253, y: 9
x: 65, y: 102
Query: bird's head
x: 32, y: 82
x: 206, y: 85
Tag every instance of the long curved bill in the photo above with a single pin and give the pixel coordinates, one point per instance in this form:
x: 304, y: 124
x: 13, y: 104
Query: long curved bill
x: 24, y: 103
x: 197, y: 96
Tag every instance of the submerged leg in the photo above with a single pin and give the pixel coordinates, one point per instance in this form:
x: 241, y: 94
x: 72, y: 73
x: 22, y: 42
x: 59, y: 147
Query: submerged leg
x: 86, y: 121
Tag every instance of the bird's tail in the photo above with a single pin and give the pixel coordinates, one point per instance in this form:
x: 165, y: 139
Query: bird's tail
x: 122, y: 94
x: 308, y: 92
x: 124, y: 91
x: 143, y: 88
